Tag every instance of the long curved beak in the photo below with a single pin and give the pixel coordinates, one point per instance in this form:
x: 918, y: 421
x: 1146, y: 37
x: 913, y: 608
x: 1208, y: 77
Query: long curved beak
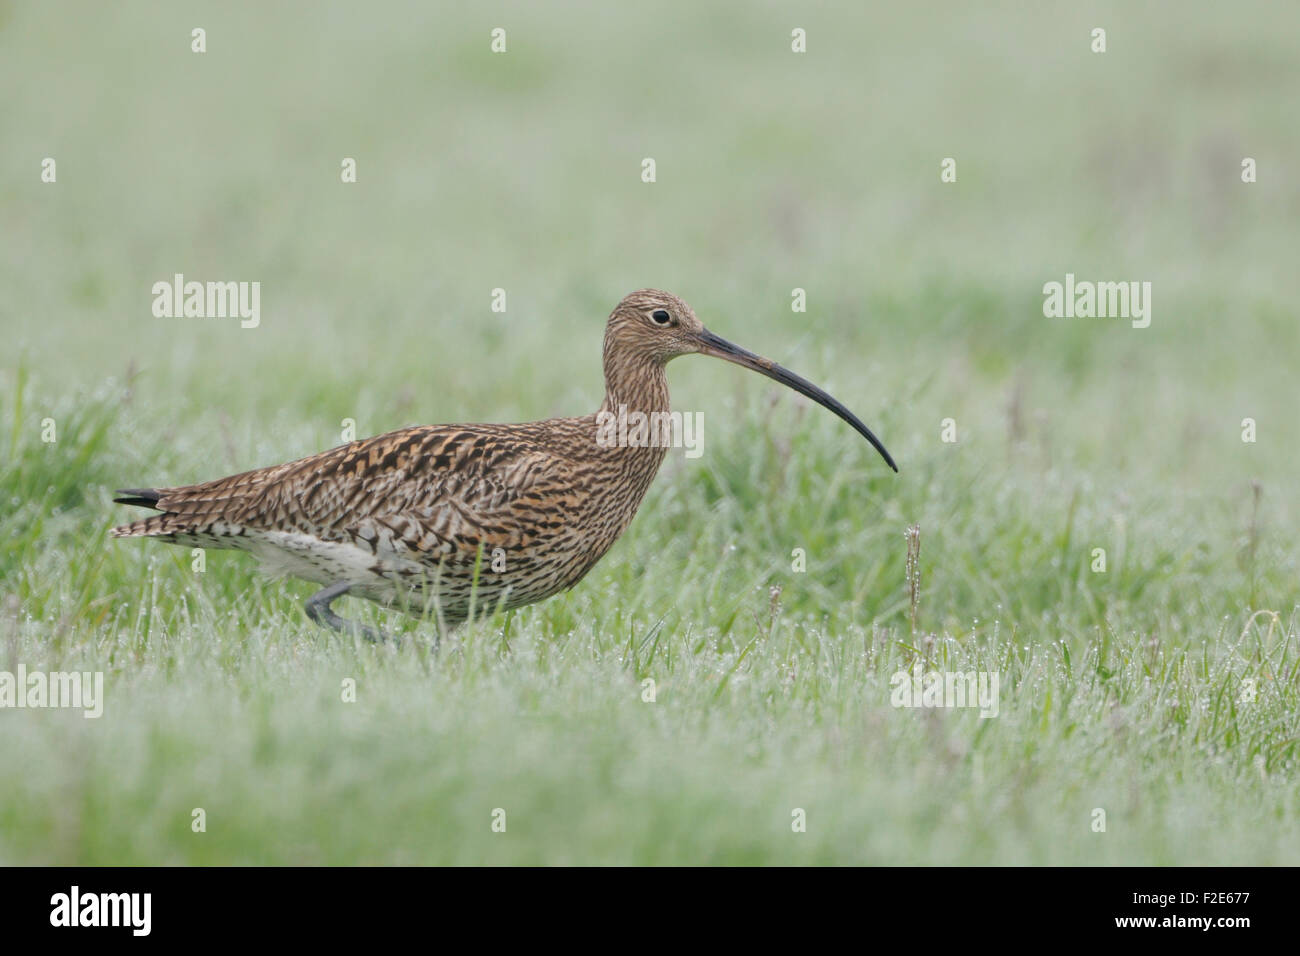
x: 719, y: 347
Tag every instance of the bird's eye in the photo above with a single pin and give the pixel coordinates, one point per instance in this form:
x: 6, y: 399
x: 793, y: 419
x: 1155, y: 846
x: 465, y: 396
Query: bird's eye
x: 661, y: 317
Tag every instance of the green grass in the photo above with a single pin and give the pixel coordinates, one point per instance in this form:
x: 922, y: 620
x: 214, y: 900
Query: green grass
x: 1124, y: 690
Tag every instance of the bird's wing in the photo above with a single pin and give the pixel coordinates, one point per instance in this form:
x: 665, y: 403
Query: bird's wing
x: 417, y: 489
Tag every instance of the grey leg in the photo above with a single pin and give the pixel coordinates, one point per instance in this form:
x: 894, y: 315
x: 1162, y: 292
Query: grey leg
x: 318, y: 609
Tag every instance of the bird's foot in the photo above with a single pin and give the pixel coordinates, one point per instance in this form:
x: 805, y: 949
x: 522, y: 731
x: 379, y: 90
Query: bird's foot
x: 318, y: 609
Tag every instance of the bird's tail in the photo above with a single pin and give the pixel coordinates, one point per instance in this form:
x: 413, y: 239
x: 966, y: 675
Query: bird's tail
x: 158, y: 525
x: 186, y: 512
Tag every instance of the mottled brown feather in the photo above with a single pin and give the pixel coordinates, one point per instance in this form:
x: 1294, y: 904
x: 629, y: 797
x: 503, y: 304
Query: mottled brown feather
x: 421, y: 507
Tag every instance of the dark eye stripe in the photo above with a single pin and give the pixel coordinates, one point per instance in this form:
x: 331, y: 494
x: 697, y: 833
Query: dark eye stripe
x: 660, y: 316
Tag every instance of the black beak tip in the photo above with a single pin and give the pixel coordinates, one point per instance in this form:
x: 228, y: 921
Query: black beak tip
x: 719, y: 347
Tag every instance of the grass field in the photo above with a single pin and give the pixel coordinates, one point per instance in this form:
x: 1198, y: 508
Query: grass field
x: 1164, y: 691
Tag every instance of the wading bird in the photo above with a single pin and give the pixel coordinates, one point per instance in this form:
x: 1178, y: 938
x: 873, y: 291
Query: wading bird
x: 442, y: 518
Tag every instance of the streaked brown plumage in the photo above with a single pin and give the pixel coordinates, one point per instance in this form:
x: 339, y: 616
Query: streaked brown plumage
x: 406, y: 518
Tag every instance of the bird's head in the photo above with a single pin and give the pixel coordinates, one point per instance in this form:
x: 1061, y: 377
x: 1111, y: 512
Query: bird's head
x: 654, y: 327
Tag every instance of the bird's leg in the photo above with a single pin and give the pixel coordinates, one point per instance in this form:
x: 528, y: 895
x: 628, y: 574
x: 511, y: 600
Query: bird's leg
x: 318, y: 609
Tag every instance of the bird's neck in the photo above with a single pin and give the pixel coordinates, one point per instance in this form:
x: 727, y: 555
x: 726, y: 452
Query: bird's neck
x: 636, y: 385
x: 636, y: 398
x: 629, y: 428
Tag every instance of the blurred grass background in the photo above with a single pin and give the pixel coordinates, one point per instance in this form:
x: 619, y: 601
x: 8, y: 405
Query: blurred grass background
x: 775, y: 170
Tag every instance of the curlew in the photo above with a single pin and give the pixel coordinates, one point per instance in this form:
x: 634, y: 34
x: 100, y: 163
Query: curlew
x: 436, y: 519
